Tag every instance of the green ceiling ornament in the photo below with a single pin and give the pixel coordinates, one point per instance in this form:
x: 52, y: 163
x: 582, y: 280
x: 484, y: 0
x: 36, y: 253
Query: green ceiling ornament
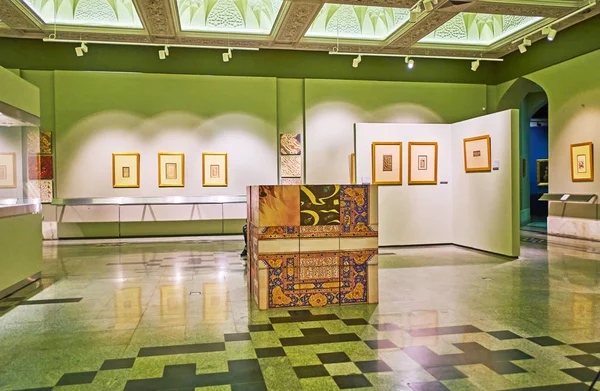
x: 357, y: 22
x: 101, y: 13
x: 234, y: 16
x: 478, y: 29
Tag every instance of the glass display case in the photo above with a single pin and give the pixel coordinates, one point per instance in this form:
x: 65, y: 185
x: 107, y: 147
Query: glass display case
x: 25, y: 162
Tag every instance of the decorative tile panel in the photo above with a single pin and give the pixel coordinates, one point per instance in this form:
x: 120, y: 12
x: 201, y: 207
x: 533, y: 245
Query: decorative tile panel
x: 320, y: 205
x: 45, y: 143
x: 290, y: 144
x: 291, y: 166
x: 354, y: 207
x: 276, y: 206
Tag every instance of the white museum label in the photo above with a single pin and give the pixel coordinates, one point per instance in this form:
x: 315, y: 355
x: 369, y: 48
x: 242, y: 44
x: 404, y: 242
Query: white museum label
x: 365, y: 180
x: 496, y: 165
x: 565, y: 197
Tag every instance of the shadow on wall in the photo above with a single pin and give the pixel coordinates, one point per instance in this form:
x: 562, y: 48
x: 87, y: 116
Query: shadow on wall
x: 330, y: 134
x: 84, y: 152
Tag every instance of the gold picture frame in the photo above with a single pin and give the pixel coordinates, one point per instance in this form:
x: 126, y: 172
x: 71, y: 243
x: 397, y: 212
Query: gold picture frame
x: 383, y: 171
x: 542, y: 171
x: 8, y: 170
x: 427, y: 150
x: 171, y: 169
x: 214, y: 169
x: 352, y: 168
x: 478, y: 154
x: 126, y: 162
x: 582, y: 162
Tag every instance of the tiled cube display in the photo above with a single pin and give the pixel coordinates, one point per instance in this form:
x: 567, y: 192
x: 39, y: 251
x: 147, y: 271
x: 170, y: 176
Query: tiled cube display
x: 312, y: 245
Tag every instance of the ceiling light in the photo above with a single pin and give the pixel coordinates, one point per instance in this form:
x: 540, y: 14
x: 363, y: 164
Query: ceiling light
x: 81, y: 50
x: 523, y: 46
x: 551, y: 34
x: 475, y: 65
x: 356, y: 61
x: 427, y: 4
x: 162, y: 54
x: 227, y: 55
x: 409, y: 62
x: 414, y: 14
x: 435, y: 2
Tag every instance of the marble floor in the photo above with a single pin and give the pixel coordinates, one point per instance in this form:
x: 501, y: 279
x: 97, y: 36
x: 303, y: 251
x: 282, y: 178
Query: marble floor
x: 174, y: 314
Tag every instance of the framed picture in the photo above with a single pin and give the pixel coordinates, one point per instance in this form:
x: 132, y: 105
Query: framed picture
x: 422, y: 163
x: 542, y: 172
x: 352, y: 168
x: 386, y: 163
x: 171, y: 169
x: 582, y: 162
x: 478, y: 154
x: 214, y: 169
x: 8, y: 170
x: 126, y: 169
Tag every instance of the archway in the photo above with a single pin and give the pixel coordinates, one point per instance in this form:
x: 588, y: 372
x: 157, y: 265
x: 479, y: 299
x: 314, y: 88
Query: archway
x: 529, y: 97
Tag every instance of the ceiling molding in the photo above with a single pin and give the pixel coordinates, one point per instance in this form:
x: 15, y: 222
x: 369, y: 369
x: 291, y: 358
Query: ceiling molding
x: 424, y: 26
x: 520, y: 9
x: 377, y: 3
x: 14, y: 18
x: 160, y: 19
x: 157, y: 17
x: 297, y: 19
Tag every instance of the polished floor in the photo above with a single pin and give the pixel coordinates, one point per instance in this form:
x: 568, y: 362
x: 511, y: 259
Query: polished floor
x: 175, y: 315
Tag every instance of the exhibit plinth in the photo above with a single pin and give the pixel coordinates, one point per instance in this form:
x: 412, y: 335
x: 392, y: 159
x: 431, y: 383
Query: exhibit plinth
x: 312, y: 245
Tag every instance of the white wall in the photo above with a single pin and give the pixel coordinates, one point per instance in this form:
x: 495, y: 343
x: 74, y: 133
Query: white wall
x: 486, y: 204
x: 416, y: 214
x: 478, y: 210
x: 250, y: 143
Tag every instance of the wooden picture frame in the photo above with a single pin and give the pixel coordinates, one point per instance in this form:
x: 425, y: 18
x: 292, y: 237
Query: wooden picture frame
x: 481, y: 145
x: 8, y: 170
x: 582, y: 162
x: 171, y: 169
x: 386, y: 171
x: 214, y: 169
x: 124, y: 162
x: 424, y: 150
x: 540, y: 169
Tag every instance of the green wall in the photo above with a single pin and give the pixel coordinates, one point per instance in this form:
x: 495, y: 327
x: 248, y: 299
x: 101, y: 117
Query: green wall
x: 21, y: 243
x: 17, y: 93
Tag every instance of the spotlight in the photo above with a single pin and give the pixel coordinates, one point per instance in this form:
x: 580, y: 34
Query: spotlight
x: 435, y: 2
x: 475, y: 65
x: 227, y: 55
x: 428, y: 5
x: 409, y: 62
x: 81, y: 50
x: 551, y: 34
x: 356, y: 61
x: 162, y: 54
x: 414, y: 15
x: 523, y: 46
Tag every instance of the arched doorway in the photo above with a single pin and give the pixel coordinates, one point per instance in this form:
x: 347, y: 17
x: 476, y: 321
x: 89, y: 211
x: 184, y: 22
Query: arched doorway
x: 532, y: 102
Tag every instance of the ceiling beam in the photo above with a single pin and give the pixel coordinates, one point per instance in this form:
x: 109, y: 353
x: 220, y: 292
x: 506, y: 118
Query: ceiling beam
x: 15, y: 18
x: 510, y: 8
x: 157, y: 17
x: 296, y: 21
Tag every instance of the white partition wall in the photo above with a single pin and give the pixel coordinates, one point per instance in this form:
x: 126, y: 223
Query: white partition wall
x: 475, y: 209
x: 486, y: 204
x: 419, y: 214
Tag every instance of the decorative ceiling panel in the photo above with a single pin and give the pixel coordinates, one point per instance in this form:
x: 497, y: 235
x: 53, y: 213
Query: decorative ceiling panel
x: 97, y: 13
x: 357, y: 22
x: 229, y: 16
x: 478, y: 29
